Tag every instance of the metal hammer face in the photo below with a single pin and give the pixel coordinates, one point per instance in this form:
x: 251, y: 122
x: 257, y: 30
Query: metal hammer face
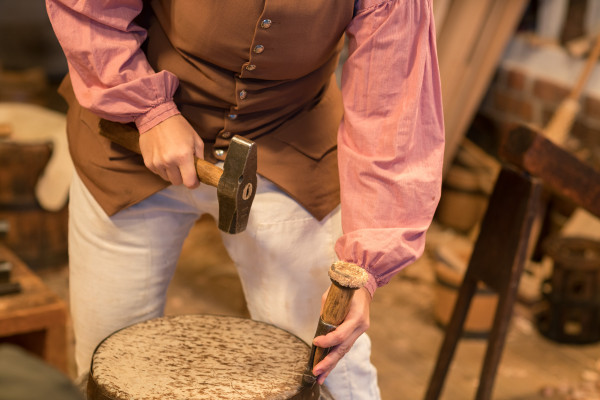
x: 237, y: 185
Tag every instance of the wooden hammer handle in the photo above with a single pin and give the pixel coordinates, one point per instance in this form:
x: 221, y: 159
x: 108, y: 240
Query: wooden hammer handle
x: 128, y: 137
x: 208, y: 173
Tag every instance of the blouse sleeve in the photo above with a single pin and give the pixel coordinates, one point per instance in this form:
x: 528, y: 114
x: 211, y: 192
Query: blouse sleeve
x: 391, y: 139
x: 109, y: 72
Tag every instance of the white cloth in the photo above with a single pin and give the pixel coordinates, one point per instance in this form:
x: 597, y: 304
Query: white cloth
x: 120, y: 268
x: 32, y: 123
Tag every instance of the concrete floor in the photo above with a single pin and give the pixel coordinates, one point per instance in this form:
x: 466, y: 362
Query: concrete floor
x: 405, y: 336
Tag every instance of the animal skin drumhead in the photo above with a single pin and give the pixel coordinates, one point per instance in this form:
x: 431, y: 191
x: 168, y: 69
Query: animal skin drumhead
x: 200, y: 357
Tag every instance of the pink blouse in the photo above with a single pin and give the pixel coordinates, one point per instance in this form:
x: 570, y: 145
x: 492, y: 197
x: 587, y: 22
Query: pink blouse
x: 390, y: 141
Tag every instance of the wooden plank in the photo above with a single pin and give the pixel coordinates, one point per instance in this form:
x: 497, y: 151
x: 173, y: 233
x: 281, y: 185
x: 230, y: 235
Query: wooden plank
x: 498, y: 29
x: 559, y: 170
x: 440, y: 11
x: 462, y: 28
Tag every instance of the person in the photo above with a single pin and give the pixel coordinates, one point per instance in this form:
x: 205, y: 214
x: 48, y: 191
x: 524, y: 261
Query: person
x: 353, y: 175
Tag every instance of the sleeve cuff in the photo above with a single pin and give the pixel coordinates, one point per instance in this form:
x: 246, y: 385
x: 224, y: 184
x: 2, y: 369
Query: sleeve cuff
x: 371, y: 284
x: 156, y: 115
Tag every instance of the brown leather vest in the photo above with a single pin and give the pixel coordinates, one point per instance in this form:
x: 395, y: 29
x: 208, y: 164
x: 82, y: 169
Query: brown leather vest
x: 260, y: 69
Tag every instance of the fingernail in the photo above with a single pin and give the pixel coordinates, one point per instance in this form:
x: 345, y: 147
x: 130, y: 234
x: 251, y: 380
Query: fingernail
x: 318, y: 372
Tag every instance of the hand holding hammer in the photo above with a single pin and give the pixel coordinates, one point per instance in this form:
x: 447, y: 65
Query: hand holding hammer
x: 346, y: 278
x: 235, y: 183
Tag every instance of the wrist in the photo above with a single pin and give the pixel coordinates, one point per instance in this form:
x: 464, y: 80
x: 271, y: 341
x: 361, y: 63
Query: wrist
x: 155, y: 116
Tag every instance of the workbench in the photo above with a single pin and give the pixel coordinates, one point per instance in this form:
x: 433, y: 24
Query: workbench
x: 35, y: 318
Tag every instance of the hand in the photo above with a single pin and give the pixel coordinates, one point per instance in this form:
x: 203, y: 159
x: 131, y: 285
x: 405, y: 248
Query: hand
x: 169, y: 149
x: 343, y: 337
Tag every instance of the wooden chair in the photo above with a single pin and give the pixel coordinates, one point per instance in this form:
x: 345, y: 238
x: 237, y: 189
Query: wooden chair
x: 501, y: 249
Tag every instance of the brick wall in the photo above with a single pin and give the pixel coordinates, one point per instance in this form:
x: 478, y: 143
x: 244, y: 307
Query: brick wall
x: 528, y: 89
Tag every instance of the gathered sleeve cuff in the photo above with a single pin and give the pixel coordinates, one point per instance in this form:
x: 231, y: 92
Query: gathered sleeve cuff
x: 109, y: 71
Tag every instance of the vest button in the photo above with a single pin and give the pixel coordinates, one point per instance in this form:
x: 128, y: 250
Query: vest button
x: 259, y: 48
x: 232, y: 116
x: 226, y: 135
x: 219, y: 152
x: 250, y: 67
x: 243, y: 94
x: 265, y: 23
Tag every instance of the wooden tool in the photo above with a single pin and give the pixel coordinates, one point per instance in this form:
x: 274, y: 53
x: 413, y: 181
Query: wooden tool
x: 345, y: 279
x: 200, y: 357
x: 235, y: 183
x: 560, y: 125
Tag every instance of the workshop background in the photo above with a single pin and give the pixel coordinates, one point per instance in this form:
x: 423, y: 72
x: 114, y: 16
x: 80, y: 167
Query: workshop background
x: 504, y: 64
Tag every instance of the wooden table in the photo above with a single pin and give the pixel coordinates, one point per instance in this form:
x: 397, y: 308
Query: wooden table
x: 35, y: 318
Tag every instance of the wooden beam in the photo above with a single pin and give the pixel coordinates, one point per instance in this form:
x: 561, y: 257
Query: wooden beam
x: 562, y: 172
x: 460, y: 106
x: 462, y: 28
x: 440, y: 11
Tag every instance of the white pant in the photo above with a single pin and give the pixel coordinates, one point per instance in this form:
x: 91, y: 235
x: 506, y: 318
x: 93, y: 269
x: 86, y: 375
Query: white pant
x: 120, y: 268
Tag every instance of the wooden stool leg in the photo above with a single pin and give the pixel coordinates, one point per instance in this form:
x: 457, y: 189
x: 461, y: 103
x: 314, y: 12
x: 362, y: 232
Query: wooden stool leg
x: 495, y: 346
x: 453, y: 333
x: 497, y: 260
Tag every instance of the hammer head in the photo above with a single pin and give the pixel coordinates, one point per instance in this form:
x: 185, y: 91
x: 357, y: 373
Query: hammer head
x: 237, y: 185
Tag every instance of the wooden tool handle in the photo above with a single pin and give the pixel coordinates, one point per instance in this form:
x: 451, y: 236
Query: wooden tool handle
x: 587, y: 70
x: 558, y: 128
x: 208, y: 173
x: 128, y: 137
x: 345, y: 278
x: 335, y: 310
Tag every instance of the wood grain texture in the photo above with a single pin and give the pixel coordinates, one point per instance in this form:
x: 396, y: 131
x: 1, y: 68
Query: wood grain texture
x: 346, y: 278
x: 337, y: 304
x: 474, y: 36
x: 560, y: 171
x: 208, y: 173
x: 335, y: 310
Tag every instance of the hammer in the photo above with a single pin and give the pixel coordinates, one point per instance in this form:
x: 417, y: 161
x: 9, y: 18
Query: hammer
x: 235, y: 183
x: 345, y: 279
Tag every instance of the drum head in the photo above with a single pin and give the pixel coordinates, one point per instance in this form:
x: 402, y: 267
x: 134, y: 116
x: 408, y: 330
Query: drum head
x: 200, y: 357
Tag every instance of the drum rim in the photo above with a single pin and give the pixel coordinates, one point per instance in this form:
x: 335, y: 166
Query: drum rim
x: 95, y: 392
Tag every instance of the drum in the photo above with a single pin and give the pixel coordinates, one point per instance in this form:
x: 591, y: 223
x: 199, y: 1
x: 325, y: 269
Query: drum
x: 200, y: 357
